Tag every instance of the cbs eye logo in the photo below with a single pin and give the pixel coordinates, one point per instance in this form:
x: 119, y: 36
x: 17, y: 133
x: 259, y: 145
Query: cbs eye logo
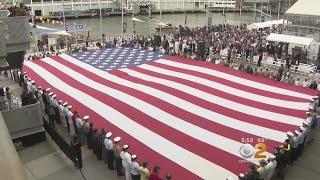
x: 258, y: 151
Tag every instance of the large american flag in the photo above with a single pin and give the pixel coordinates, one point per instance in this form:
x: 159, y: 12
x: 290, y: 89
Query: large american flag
x: 192, y: 118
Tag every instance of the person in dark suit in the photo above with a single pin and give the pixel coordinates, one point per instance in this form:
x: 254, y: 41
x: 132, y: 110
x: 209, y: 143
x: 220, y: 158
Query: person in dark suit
x: 76, y: 146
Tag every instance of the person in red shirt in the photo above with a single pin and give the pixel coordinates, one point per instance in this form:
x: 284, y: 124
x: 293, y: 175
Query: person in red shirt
x: 155, y: 174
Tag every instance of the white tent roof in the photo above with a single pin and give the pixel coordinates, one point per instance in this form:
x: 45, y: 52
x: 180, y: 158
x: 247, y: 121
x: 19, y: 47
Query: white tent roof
x: 266, y: 24
x: 305, y: 7
x: 290, y: 39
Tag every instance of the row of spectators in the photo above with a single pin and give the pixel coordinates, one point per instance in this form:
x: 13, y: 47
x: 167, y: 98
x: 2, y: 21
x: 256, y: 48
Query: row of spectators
x: 21, y: 10
x: 100, y: 142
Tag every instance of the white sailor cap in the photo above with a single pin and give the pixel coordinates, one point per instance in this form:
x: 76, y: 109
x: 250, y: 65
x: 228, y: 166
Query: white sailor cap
x: 311, y: 107
x: 241, y: 175
x: 54, y: 96
x: 33, y: 81
x: 60, y: 101
x: 272, y: 156
x: 51, y: 93
x: 109, y: 134
x: 25, y: 72
x: 117, y: 139
x: 309, y: 120
x: 302, y: 128
x: 126, y: 146
x: 39, y: 87
x: 48, y: 89
x: 69, y: 107
x: 308, y: 113
x: 134, y: 156
x: 64, y: 104
x: 86, y: 117
x: 290, y: 134
x: 28, y: 79
x: 306, y: 123
x: 297, y: 132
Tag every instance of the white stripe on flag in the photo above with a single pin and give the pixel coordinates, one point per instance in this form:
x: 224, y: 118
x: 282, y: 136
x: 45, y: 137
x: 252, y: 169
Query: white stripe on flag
x: 192, y: 162
x: 277, y: 117
x: 243, y: 94
x: 212, y: 116
x: 235, y: 79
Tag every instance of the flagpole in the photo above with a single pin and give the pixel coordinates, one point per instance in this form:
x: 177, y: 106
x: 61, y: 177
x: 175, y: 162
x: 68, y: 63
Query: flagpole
x: 122, y: 17
x: 240, y: 16
x: 100, y: 13
x: 185, y: 12
x: 279, y: 9
x: 149, y: 19
x: 64, y: 21
x: 160, y: 16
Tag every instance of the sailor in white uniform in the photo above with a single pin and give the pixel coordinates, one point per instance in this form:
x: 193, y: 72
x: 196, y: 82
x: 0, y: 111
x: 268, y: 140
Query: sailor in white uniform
x: 70, y: 114
x: 39, y: 97
x: 62, y: 117
x: 66, y: 113
x: 51, y: 98
x: 126, y: 161
x: 33, y: 88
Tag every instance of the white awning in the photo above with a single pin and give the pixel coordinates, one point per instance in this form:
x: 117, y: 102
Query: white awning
x: 305, y: 7
x: 266, y: 24
x: 297, y: 40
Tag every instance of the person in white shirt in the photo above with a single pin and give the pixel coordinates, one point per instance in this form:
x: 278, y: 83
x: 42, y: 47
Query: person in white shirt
x: 317, y: 76
x: 51, y: 102
x: 29, y: 84
x: 135, y: 172
x: 33, y: 88
x: 305, y: 83
x: 108, y: 146
x: 39, y: 94
x: 79, y: 124
x: 126, y: 161
x: 70, y: 114
x: 62, y: 117
x: 176, y: 47
x: 297, y: 82
x: 311, y: 76
x: 66, y: 113
x: 300, y: 142
x: 271, y: 166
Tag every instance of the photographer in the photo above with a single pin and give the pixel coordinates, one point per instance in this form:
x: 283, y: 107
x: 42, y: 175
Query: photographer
x: 76, y: 146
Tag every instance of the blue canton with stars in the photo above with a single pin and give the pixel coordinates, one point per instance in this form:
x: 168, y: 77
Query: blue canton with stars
x: 116, y: 58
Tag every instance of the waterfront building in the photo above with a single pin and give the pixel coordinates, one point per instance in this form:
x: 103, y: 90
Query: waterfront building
x: 109, y: 7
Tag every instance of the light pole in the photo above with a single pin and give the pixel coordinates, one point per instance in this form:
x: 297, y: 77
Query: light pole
x: 100, y: 14
x: 122, y: 18
x: 64, y: 22
x: 279, y: 5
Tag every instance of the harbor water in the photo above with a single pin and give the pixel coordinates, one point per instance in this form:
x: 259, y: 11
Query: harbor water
x: 111, y: 25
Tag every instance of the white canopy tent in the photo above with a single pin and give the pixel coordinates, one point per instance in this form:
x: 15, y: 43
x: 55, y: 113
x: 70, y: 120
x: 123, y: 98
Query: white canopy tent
x: 266, y: 24
x: 305, y: 8
x: 296, y: 40
x: 41, y: 30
